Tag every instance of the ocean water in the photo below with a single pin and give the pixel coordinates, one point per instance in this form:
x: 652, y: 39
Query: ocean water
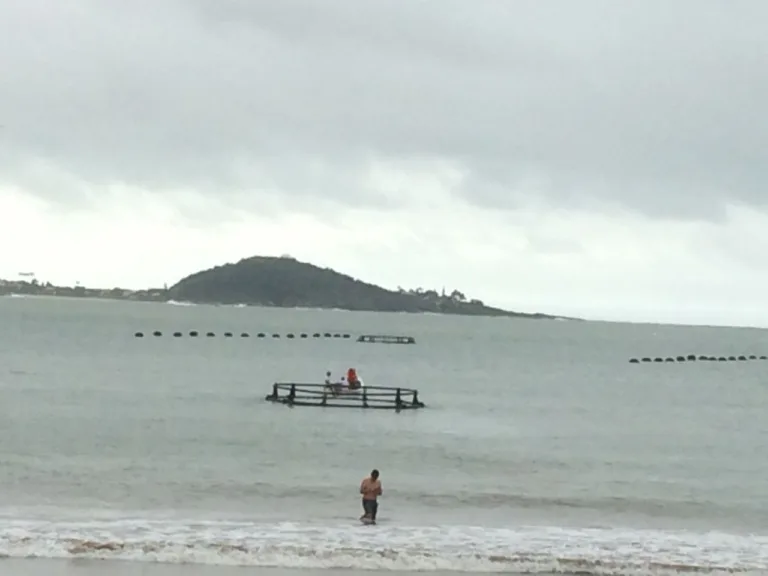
x: 541, y: 450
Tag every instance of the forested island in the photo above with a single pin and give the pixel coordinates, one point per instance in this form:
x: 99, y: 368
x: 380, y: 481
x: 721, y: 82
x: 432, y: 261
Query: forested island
x: 281, y: 282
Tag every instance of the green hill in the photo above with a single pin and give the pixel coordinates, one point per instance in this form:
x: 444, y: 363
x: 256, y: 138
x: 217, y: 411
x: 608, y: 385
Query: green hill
x: 288, y: 283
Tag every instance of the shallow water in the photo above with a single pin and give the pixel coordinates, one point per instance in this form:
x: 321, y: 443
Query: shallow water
x: 541, y: 448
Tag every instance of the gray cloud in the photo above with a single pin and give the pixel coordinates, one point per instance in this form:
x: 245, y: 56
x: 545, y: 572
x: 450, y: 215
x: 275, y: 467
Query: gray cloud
x: 657, y: 106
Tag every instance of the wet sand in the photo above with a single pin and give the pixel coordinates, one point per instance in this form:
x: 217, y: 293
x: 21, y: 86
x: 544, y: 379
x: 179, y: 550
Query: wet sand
x: 46, y: 567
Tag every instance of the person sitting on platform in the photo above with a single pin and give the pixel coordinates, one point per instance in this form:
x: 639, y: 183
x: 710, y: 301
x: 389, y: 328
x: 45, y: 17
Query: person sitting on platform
x: 334, y: 387
x: 352, y: 379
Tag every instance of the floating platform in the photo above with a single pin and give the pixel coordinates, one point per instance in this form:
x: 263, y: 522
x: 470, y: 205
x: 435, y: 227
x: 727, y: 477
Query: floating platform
x: 322, y: 395
x: 386, y: 339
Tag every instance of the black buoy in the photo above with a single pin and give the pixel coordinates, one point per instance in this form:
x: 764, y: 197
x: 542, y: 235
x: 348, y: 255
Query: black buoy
x: 634, y: 361
x: 210, y: 334
x: 193, y: 333
x: 227, y: 334
x: 157, y: 333
x: 177, y: 334
x: 139, y: 335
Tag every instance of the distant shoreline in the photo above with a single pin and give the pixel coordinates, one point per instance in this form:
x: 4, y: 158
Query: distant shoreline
x: 24, y: 288
x: 287, y: 283
x: 153, y: 296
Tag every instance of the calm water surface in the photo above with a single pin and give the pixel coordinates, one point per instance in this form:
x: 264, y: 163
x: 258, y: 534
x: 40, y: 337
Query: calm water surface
x: 541, y: 448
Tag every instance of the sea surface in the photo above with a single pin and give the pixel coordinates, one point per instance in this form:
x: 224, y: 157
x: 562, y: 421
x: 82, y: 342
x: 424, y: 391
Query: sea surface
x: 541, y: 450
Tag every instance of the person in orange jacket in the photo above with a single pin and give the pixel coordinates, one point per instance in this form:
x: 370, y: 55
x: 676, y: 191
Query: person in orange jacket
x: 353, y: 382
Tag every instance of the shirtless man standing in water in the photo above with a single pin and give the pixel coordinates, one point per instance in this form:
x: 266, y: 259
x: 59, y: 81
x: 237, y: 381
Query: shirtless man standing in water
x: 370, y: 488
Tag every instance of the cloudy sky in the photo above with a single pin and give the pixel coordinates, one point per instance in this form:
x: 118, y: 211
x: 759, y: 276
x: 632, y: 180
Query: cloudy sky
x: 594, y: 158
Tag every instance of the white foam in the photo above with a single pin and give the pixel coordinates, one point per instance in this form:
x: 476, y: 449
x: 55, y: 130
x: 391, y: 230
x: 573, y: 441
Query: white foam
x: 523, y: 549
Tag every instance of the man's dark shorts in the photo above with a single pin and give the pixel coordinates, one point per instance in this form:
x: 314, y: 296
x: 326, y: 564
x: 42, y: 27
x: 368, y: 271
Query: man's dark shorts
x: 370, y: 507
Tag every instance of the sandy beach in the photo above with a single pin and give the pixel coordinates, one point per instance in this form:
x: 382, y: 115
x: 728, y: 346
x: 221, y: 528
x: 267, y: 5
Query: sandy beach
x: 46, y: 567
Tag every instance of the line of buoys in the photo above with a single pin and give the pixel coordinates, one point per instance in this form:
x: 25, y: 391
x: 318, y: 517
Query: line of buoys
x: 699, y: 358
x: 290, y: 335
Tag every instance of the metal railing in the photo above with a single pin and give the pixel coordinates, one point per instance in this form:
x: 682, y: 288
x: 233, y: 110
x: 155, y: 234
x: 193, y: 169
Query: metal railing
x: 330, y: 395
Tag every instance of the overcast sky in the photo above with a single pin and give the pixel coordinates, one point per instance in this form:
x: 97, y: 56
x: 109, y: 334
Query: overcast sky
x: 594, y: 158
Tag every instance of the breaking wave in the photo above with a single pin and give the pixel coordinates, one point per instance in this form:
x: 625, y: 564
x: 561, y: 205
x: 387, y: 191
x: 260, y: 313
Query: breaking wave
x: 525, y: 550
